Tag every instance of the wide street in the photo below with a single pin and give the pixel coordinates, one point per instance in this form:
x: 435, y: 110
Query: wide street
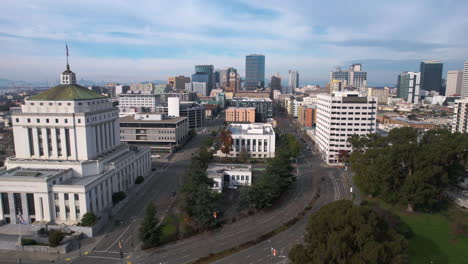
x: 167, y: 178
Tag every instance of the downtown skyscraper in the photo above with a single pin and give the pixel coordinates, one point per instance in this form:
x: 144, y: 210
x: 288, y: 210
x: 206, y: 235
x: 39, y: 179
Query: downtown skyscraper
x: 254, y: 71
x: 431, y: 76
x: 293, y: 81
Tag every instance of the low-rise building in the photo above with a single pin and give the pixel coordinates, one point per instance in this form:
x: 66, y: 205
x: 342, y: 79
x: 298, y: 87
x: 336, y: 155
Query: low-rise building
x: 253, y: 94
x: 240, y: 114
x: 156, y: 131
x: 257, y: 139
x: 149, y: 102
x: 229, y: 175
x: 307, y: 115
x: 263, y: 107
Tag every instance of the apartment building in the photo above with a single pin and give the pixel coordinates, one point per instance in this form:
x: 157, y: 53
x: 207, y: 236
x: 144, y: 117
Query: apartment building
x: 339, y: 116
x: 460, y: 116
x: 240, y: 114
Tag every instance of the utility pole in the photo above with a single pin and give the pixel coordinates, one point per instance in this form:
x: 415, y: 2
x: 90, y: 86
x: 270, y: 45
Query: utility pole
x: 121, y: 251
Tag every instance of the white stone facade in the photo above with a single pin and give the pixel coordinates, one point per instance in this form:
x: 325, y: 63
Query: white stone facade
x: 229, y: 175
x: 69, y: 159
x: 339, y: 116
x: 257, y: 139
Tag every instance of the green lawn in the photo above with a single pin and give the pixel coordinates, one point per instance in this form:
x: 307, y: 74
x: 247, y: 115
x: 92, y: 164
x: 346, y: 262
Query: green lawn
x: 168, y: 230
x: 433, y: 240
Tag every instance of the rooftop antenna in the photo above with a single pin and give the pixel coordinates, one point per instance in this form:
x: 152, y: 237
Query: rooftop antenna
x: 66, y: 47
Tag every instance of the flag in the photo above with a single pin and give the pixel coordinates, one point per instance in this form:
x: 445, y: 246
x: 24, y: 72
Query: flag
x: 21, y: 219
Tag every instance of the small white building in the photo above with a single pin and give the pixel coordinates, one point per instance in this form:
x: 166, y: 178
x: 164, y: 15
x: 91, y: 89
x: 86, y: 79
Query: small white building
x: 229, y: 175
x: 258, y: 139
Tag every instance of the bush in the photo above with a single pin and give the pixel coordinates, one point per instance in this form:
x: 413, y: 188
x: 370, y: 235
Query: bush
x: 42, y: 231
x: 139, y: 179
x: 117, y: 197
x: 55, y: 236
x: 88, y: 219
x: 28, y: 242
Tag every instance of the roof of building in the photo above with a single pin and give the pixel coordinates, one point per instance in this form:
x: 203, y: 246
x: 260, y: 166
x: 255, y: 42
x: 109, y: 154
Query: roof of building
x: 30, y: 174
x: 131, y: 119
x: 217, y: 170
x: 67, y: 92
x: 240, y: 108
x: 251, y: 129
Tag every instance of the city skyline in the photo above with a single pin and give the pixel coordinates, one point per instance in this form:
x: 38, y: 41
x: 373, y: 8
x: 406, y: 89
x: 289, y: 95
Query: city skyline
x: 144, y: 42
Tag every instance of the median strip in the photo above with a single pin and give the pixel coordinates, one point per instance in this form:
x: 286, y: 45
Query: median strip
x: 230, y: 251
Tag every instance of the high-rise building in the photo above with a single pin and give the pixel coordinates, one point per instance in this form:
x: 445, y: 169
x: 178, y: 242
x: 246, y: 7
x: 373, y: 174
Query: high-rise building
x: 178, y: 82
x: 464, y: 89
x: 69, y: 159
x: 200, y: 88
x: 408, y: 86
x: 217, y: 79
x: 339, y: 116
x: 293, y: 80
x: 224, y: 77
x: 275, y: 83
x: 431, y: 76
x: 354, y: 76
x: 234, y: 82
x: 460, y: 116
x: 205, y: 73
x: 254, y: 71
x: 454, y: 83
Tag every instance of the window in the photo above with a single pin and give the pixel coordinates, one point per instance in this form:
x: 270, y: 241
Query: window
x: 56, y: 120
x: 79, y: 120
x: 77, y: 197
x: 47, y: 120
x: 38, y: 120
x: 55, y: 196
x: 29, y: 120
x: 59, y: 103
x: 69, y: 104
x: 66, y: 120
x: 17, y: 120
x: 247, y: 178
x: 50, y: 104
x: 66, y: 196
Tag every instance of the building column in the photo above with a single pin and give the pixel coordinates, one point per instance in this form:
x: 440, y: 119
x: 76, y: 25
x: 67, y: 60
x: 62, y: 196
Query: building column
x: 61, y: 201
x: 13, y: 213
x: 73, y: 141
x: 35, y: 142
x: 24, y: 208
x: 39, y: 211
x: 63, y: 143
x: 117, y: 132
x: 45, y: 142
x: 101, y: 137
x: 54, y: 142
x: 72, y: 205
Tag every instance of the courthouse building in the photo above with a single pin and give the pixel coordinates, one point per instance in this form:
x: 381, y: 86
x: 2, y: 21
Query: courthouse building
x: 69, y: 159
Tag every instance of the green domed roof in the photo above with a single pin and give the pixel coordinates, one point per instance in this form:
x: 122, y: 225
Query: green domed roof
x: 67, y: 92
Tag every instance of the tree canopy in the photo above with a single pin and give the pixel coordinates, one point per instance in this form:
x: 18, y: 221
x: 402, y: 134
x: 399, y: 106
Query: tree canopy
x: 342, y: 232
x: 409, y: 166
x: 199, y: 200
x: 226, y: 141
x: 150, y: 232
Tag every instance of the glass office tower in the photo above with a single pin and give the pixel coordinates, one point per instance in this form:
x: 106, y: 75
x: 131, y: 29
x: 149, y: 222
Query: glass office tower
x: 254, y: 71
x: 431, y: 76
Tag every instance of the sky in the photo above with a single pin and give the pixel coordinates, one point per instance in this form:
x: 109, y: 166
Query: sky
x: 133, y: 41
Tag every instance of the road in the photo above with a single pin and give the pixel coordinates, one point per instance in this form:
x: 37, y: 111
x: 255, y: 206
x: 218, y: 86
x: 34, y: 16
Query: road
x: 168, y: 178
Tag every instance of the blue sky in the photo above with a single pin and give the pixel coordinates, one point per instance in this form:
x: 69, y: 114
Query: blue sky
x: 150, y: 40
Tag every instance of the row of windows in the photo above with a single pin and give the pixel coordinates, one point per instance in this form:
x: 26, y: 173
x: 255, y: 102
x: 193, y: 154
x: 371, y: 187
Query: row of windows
x: 57, y: 120
x: 240, y: 177
x: 69, y: 104
x: 351, y: 124
x: 66, y: 196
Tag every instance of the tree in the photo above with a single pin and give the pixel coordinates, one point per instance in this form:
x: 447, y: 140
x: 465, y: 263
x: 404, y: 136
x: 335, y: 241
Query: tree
x: 243, y: 155
x: 88, y: 219
x: 139, y: 180
x: 55, y: 236
x: 150, y: 232
x: 409, y: 167
x: 342, y: 232
x: 226, y: 141
x: 412, y: 117
x: 117, y: 197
